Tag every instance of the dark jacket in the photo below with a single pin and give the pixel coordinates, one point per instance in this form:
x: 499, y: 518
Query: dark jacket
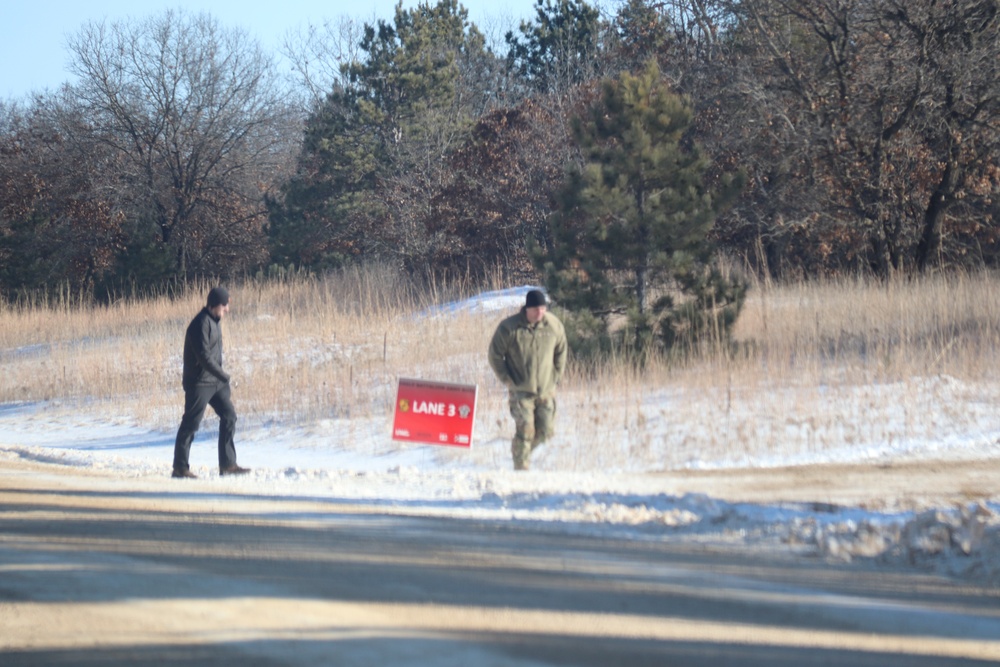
x: 529, y: 358
x: 203, y: 352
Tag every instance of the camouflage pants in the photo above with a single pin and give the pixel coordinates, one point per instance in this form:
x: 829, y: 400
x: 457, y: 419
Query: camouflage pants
x: 534, y: 420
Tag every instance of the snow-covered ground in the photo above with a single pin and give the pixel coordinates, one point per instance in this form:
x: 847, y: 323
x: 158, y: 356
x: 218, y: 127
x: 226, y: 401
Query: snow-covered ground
x: 624, y: 491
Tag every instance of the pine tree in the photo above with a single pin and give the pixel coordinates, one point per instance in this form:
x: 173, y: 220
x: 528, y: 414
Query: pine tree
x: 560, y: 48
x: 373, y: 151
x: 632, y: 226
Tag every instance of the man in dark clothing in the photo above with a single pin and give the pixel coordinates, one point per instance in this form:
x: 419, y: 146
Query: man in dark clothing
x: 205, y: 383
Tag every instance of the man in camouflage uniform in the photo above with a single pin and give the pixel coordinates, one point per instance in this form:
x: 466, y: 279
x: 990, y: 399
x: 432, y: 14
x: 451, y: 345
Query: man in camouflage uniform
x: 528, y: 355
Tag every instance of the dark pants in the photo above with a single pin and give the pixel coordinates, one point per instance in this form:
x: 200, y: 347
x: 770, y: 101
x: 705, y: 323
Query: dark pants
x: 196, y: 400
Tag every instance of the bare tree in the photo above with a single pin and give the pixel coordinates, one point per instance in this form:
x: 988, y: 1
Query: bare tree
x: 959, y: 117
x: 319, y: 55
x: 58, y: 221
x: 196, y: 119
x: 883, y: 113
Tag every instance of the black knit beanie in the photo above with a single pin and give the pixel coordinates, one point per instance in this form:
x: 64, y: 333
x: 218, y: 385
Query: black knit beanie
x: 535, y: 298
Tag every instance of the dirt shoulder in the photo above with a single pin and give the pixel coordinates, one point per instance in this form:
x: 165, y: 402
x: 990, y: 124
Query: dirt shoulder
x: 912, y: 485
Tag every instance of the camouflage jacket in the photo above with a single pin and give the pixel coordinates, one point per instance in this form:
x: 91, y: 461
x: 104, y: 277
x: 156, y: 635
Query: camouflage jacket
x: 527, y: 358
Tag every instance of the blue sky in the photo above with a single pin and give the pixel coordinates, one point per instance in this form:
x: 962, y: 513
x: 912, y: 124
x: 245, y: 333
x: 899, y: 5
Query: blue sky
x: 33, y: 33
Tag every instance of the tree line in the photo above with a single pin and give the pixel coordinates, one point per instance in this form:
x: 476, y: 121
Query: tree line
x: 614, y: 151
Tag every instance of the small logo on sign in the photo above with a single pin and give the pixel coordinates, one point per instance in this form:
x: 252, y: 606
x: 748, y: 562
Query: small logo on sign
x: 404, y: 405
x: 464, y: 411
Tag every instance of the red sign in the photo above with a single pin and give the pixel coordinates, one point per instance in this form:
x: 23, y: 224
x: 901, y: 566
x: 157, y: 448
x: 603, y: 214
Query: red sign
x: 438, y: 413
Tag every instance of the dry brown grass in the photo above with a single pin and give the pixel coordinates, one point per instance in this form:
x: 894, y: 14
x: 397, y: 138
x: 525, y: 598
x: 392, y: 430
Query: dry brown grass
x: 299, y: 349
x: 332, y: 349
x: 874, y: 330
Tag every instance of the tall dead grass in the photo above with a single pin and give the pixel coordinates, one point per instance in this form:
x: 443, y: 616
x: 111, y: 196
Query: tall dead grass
x: 869, y: 330
x: 332, y: 348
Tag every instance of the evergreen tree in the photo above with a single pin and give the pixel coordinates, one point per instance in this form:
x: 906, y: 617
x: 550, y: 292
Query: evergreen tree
x: 641, y: 31
x: 560, y: 49
x: 631, y: 230
x: 372, y: 155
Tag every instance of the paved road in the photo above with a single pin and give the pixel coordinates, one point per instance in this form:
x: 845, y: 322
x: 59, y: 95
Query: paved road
x: 99, y: 572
